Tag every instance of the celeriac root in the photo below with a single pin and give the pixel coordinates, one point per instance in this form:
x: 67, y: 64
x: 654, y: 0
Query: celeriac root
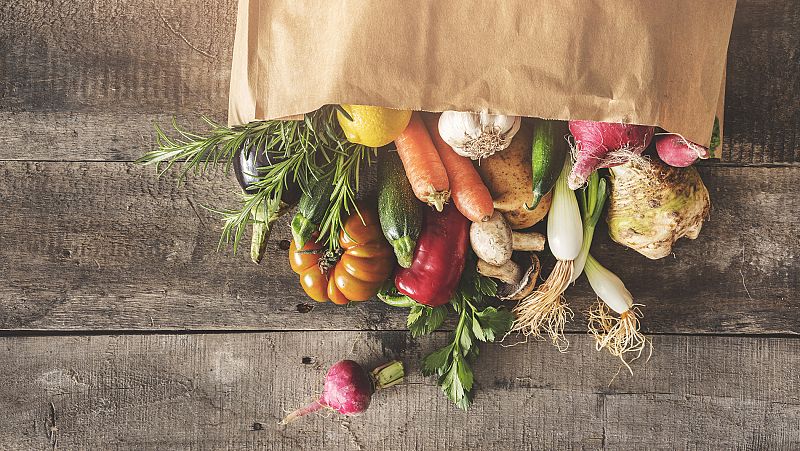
x: 545, y: 310
x: 618, y: 335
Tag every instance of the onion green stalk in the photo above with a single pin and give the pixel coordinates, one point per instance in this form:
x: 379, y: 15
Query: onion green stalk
x: 592, y: 198
x: 545, y: 310
x: 619, y: 335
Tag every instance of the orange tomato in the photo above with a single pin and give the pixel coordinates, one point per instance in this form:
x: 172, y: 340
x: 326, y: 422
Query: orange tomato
x: 366, y: 261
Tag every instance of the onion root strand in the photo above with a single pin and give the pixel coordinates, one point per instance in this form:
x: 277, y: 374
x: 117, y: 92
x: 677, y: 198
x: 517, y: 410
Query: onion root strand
x: 619, y: 335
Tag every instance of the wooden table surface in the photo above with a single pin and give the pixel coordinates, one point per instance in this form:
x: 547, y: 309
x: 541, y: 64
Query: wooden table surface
x: 124, y: 328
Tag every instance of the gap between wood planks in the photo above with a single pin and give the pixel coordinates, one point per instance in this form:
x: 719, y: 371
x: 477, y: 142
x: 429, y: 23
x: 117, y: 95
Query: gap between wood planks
x: 713, y: 163
x: 173, y: 332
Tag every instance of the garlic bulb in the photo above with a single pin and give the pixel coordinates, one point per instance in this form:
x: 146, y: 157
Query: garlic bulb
x: 477, y: 135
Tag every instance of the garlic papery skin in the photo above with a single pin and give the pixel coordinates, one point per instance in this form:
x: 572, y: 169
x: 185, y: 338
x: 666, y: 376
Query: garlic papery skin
x: 477, y: 135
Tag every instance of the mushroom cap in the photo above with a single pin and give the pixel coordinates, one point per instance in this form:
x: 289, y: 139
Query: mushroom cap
x: 527, y: 284
x: 492, y: 240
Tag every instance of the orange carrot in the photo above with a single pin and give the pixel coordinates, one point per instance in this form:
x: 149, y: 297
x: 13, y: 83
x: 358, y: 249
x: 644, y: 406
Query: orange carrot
x: 470, y: 194
x: 423, y: 166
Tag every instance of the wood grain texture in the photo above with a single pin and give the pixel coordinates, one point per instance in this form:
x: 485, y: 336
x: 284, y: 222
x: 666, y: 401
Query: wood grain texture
x: 762, y: 102
x: 98, y: 73
x: 99, y: 246
x: 229, y: 391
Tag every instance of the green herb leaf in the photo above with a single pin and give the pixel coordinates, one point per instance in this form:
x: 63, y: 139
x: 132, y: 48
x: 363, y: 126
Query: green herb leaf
x: 309, y: 149
x: 457, y: 382
x: 414, y: 315
x: 477, y: 329
x: 715, y: 141
x: 465, y: 335
x: 464, y: 374
x: 437, y: 361
x: 493, y: 323
x: 451, y: 362
x: 423, y: 320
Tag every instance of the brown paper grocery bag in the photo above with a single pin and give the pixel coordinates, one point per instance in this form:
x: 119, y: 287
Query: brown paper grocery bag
x: 653, y: 62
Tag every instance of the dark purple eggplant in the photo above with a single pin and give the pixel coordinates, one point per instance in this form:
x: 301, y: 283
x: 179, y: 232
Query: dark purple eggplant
x: 246, y: 166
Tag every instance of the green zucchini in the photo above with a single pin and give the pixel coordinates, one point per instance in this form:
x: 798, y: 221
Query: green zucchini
x: 311, y: 210
x: 399, y: 211
x: 547, y: 158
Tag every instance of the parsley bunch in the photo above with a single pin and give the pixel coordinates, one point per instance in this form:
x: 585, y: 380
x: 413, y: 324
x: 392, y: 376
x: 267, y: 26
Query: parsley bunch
x: 477, y: 322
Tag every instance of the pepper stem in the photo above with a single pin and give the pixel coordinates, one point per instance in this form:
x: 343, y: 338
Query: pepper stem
x: 388, y: 374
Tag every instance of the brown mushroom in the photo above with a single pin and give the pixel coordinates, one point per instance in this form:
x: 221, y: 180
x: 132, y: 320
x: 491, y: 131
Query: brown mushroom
x: 515, y: 283
x: 494, y: 242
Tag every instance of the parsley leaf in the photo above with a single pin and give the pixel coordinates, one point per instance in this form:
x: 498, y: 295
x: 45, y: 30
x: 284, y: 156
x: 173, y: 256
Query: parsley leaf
x: 489, y: 321
x: 434, y: 362
x: 451, y: 363
x: 423, y: 320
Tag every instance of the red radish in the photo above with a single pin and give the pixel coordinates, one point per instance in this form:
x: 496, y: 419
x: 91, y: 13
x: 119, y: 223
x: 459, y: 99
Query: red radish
x: 677, y: 151
x: 348, y: 388
x: 604, y: 145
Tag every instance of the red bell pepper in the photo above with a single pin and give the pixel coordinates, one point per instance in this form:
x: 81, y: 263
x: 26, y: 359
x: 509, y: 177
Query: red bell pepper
x: 439, y: 258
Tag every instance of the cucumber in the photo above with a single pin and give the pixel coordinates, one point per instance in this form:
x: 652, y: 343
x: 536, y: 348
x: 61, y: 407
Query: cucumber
x: 399, y: 211
x: 547, y: 158
x: 311, y: 210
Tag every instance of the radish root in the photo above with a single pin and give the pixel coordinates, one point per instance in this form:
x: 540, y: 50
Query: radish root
x: 545, y: 310
x: 619, y: 335
x: 313, y: 407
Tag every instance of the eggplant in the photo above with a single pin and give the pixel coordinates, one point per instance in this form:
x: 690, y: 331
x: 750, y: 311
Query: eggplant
x: 246, y: 164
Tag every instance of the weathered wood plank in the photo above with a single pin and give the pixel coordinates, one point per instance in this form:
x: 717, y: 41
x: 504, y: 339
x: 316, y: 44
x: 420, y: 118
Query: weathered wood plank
x: 229, y: 390
x: 108, y: 246
x: 115, y: 67
x: 762, y: 102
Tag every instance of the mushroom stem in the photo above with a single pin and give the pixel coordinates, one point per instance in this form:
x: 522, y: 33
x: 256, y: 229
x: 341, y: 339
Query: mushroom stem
x: 509, y: 272
x: 530, y: 242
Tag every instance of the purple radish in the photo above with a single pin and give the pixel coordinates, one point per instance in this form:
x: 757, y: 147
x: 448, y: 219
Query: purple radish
x: 677, y: 151
x: 604, y: 145
x: 348, y: 388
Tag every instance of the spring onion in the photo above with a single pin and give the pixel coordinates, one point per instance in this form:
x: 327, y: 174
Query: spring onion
x: 544, y: 310
x: 591, y: 200
x: 619, y: 335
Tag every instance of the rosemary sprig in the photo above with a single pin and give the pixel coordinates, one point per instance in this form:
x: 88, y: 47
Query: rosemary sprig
x: 346, y: 170
x: 198, y: 151
x: 318, y: 130
x: 308, y: 149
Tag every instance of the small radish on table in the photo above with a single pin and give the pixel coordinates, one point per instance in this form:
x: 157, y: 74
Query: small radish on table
x: 349, y: 388
x: 604, y: 145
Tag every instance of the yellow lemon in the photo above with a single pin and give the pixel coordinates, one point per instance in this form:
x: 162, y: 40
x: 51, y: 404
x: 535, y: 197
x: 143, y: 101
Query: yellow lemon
x: 373, y: 126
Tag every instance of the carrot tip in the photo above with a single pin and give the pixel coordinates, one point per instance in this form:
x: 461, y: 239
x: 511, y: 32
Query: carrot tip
x: 437, y: 199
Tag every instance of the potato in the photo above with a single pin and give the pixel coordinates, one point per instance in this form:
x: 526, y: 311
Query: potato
x: 507, y: 174
x: 521, y: 218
